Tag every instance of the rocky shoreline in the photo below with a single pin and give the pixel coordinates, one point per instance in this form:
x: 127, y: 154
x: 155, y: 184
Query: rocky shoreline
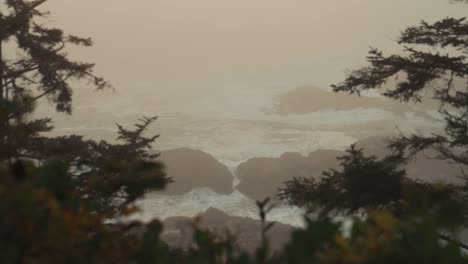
x: 178, y: 231
x: 261, y: 177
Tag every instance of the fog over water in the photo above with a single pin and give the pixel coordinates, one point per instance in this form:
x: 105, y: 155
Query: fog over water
x: 212, y: 71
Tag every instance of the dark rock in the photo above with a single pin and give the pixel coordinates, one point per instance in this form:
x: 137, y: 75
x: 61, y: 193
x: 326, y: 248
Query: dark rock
x: 178, y: 231
x: 192, y: 169
x: 262, y: 177
x: 308, y: 99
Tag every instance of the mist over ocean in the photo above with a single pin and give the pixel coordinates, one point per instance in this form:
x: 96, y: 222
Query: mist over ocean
x: 243, y: 131
x: 253, y: 84
x: 248, y: 126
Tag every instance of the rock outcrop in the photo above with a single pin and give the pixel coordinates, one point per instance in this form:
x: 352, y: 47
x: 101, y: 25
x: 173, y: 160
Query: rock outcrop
x: 308, y: 99
x: 192, y: 169
x: 178, y: 231
x: 261, y: 177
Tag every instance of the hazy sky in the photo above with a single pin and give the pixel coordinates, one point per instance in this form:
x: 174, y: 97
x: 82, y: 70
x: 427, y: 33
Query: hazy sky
x: 170, y: 48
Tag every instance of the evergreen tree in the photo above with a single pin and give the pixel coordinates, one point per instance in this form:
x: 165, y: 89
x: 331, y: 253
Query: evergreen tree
x: 57, y: 193
x: 362, y: 183
x: 433, y: 64
x: 34, y: 64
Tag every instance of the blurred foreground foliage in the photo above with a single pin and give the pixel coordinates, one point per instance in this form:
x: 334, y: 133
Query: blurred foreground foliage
x: 44, y: 220
x: 58, y: 195
x: 431, y: 68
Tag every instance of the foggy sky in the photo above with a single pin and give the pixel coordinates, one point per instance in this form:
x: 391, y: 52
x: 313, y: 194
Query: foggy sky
x: 166, y: 49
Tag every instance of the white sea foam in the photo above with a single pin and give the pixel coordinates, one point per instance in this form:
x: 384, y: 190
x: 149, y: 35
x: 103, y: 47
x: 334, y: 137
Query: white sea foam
x: 197, y: 201
x: 233, y: 126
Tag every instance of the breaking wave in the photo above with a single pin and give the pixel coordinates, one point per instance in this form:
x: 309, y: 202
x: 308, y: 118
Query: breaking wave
x: 197, y: 201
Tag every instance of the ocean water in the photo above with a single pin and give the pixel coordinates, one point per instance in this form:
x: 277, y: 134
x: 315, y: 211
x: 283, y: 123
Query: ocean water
x: 233, y: 125
x: 197, y: 201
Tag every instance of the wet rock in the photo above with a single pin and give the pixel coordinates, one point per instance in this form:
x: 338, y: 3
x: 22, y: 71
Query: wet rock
x: 191, y: 169
x: 178, y: 231
x: 262, y: 177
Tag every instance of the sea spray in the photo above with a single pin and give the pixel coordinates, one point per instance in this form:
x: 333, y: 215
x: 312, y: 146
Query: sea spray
x: 197, y: 201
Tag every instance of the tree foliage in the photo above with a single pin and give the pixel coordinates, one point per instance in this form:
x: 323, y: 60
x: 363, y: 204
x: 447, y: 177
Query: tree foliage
x: 38, y: 66
x: 363, y: 182
x: 57, y: 194
x: 433, y: 63
x: 45, y: 221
